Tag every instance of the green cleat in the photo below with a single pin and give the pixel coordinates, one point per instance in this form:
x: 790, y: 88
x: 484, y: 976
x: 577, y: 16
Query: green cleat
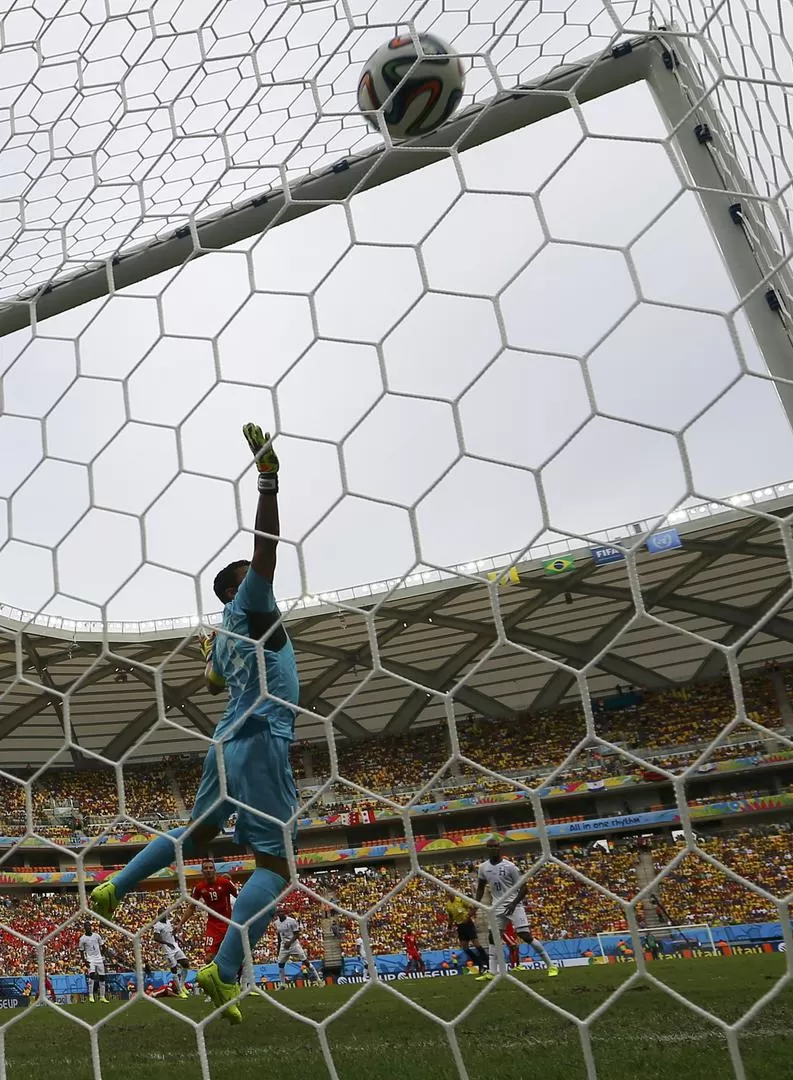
x: 485, y: 978
x: 219, y: 992
x: 104, y: 900
x: 553, y: 971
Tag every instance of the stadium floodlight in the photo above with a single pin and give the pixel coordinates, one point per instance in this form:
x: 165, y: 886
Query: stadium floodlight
x: 198, y: 228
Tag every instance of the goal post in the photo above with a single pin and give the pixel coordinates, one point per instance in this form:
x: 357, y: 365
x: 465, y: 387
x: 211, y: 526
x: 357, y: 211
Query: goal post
x: 686, y: 939
x: 737, y: 213
x: 466, y: 349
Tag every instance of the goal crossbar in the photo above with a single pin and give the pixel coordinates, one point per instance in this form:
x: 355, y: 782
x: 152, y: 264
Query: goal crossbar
x: 529, y: 103
x: 660, y: 59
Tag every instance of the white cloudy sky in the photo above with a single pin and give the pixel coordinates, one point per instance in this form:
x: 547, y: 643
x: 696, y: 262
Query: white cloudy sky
x: 454, y: 395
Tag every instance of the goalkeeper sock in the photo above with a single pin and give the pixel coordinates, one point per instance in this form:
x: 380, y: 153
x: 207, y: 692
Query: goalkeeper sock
x: 158, y: 853
x: 255, y: 906
x: 493, y: 963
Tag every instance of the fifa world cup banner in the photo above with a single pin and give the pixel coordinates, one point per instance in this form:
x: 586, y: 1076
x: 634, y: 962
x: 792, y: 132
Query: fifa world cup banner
x: 566, y: 952
x: 362, y: 817
x: 424, y: 845
x: 15, y: 993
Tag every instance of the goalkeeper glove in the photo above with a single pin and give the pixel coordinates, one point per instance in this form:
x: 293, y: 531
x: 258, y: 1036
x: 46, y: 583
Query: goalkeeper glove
x: 211, y: 676
x: 266, y: 459
x: 206, y: 642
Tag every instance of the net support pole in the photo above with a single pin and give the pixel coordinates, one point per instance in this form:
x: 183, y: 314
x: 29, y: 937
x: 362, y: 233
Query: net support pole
x: 732, y: 208
x: 710, y: 939
x: 506, y: 112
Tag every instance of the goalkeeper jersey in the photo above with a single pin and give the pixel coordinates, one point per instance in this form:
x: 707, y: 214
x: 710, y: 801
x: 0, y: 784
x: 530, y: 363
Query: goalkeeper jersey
x: 253, y: 614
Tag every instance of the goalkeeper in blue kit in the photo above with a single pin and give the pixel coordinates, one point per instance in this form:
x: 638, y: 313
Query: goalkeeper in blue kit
x: 254, y: 737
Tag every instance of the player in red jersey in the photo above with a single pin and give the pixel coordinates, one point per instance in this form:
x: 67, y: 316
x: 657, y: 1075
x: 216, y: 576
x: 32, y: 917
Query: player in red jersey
x: 510, y: 939
x: 415, y: 961
x: 215, y: 891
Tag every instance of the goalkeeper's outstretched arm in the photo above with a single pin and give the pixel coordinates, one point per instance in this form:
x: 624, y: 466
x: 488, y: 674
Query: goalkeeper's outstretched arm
x: 268, y: 529
x: 267, y: 525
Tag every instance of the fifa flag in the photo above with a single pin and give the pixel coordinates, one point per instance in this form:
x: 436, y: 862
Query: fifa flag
x: 603, y: 555
x: 505, y: 577
x: 562, y: 565
x: 664, y: 540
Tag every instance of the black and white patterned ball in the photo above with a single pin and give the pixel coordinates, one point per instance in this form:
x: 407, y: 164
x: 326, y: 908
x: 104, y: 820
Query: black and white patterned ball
x: 417, y: 82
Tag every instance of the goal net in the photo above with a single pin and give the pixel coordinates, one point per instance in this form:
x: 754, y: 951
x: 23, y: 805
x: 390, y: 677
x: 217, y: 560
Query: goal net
x: 530, y: 382
x: 660, y: 941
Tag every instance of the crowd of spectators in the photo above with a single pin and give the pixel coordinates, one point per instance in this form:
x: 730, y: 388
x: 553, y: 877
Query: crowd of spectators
x: 695, y: 891
x: 387, y: 765
x: 535, y: 744
x: 87, y: 800
x: 650, y: 723
x: 38, y: 916
x: 559, y: 903
x: 150, y: 798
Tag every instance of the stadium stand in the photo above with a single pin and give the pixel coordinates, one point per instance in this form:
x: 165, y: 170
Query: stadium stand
x: 667, y: 729
x: 149, y: 790
x: 695, y: 891
x: 559, y: 904
x: 657, y: 728
x: 680, y: 717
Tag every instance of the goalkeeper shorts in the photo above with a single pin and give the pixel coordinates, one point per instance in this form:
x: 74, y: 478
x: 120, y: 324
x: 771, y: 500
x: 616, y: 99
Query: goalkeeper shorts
x: 259, y: 778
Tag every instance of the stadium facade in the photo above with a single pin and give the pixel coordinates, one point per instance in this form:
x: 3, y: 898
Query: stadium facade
x: 75, y: 704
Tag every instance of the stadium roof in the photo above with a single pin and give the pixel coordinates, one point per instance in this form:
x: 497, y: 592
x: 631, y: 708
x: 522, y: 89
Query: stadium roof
x: 431, y: 638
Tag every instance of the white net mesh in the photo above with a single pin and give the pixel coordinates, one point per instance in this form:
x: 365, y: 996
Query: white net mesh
x: 571, y: 311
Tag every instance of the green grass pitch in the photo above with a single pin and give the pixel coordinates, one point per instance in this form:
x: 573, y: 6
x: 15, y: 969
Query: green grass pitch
x: 645, y: 1035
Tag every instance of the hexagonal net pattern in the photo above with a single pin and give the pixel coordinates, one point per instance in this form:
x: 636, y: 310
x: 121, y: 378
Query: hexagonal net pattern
x: 568, y: 307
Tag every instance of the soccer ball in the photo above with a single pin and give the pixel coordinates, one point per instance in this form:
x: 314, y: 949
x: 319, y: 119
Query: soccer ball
x: 417, y: 87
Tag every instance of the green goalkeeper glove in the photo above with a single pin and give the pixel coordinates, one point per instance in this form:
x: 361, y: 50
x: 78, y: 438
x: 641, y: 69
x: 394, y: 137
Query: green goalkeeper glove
x: 205, y: 642
x: 215, y: 681
x: 266, y: 460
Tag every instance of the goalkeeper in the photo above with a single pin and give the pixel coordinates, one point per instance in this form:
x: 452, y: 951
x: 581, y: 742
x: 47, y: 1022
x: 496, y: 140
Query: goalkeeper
x: 254, y: 736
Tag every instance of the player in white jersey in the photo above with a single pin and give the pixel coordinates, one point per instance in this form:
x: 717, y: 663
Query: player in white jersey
x: 177, y: 962
x: 91, y: 946
x: 508, y: 893
x: 290, y: 947
x: 362, y: 957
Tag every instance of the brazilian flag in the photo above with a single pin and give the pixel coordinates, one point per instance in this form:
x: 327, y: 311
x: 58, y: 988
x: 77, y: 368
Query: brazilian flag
x: 562, y: 565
